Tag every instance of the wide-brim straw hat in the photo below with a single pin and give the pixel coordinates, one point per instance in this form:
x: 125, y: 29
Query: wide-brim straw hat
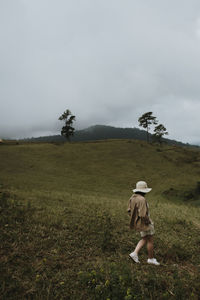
x: 141, y: 186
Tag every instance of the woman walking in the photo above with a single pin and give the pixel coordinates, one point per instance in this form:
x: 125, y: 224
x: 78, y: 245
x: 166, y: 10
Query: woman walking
x: 138, y: 209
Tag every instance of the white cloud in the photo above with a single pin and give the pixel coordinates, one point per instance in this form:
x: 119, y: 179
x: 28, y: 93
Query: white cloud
x: 108, y: 61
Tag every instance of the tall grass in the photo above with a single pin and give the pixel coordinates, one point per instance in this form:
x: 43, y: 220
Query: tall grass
x: 64, y: 228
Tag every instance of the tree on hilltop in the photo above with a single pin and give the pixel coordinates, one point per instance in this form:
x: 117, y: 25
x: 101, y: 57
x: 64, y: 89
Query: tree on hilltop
x: 159, y: 132
x: 67, y: 130
x: 146, y: 120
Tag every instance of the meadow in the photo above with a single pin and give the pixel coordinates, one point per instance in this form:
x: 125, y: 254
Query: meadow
x: 65, y: 229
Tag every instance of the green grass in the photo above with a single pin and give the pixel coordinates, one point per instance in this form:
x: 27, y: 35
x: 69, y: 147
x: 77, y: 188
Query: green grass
x: 64, y: 228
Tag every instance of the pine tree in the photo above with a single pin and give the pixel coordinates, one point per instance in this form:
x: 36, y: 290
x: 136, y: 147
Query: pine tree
x: 146, y: 120
x: 159, y: 132
x: 67, y: 130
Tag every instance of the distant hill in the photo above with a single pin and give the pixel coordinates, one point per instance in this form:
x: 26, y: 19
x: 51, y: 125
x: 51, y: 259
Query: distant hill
x: 103, y: 132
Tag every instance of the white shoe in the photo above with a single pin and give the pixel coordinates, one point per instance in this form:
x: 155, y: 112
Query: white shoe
x: 153, y: 261
x: 134, y: 256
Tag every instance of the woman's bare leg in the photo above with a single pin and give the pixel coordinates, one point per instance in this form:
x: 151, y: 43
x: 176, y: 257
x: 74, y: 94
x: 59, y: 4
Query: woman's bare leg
x: 140, y: 244
x: 150, y: 246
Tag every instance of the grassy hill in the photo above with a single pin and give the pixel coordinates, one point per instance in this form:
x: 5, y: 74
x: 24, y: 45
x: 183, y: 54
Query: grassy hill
x: 64, y: 227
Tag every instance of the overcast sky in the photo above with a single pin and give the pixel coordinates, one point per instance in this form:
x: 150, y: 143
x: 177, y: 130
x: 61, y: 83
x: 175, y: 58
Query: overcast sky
x: 108, y: 61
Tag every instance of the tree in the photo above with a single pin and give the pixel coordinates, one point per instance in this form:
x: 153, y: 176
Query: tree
x: 159, y: 131
x: 146, y: 120
x: 67, y: 129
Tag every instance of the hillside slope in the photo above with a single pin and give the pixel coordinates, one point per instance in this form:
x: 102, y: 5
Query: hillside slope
x: 102, y: 132
x: 87, y: 166
x: 64, y: 228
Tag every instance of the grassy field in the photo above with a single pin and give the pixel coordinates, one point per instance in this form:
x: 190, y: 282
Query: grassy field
x: 64, y: 227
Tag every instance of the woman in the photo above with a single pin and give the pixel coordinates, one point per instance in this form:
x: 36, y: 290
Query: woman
x: 138, y: 209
